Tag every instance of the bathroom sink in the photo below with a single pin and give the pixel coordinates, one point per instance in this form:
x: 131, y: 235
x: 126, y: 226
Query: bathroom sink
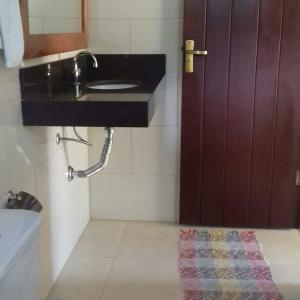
x: 124, y: 92
x: 110, y: 85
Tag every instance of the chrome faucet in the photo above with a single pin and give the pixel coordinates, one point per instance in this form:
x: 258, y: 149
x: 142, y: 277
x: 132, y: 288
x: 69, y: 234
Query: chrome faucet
x: 77, y: 70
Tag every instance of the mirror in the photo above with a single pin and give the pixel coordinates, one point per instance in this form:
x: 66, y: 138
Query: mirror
x: 55, y: 16
x: 53, y: 26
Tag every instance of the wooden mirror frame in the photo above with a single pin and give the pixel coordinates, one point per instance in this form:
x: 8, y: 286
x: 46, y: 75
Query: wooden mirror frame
x: 37, y: 45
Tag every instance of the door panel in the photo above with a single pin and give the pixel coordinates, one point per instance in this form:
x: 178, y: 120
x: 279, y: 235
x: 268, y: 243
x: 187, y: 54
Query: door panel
x: 240, y: 124
x: 215, y: 110
x: 192, y: 114
x: 264, y: 112
x: 284, y: 207
x: 244, y: 33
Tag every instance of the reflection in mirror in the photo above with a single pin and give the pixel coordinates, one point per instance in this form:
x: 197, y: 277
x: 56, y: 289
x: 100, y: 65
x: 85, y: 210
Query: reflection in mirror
x: 54, y: 16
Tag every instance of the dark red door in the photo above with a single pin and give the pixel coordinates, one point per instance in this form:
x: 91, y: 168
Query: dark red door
x: 241, y: 114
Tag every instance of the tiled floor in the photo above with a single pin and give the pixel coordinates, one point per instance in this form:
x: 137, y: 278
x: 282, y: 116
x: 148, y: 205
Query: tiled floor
x: 138, y: 261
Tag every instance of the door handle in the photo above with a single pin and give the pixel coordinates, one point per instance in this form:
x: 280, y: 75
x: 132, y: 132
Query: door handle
x: 189, y: 55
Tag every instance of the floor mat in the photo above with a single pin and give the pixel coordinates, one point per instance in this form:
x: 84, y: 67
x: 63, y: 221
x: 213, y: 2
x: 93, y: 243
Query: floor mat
x: 218, y: 265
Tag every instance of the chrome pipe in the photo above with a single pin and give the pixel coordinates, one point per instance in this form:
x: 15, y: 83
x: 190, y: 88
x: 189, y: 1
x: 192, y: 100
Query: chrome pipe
x: 79, y: 139
x: 104, y: 157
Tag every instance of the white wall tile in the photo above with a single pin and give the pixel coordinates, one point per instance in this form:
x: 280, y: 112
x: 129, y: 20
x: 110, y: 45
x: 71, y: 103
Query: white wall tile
x: 76, y: 154
x: 166, y: 112
x: 19, y: 146
x: 4, y: 180
x: 155, y: 27
x: 10, y: 89
x: 62, y: 25
x: 31, y: 161
x: 69, y: 54
x: 133, y: 197
x: 109, y: 9
x: 120, y: 157
x: 158, y: 36
x: 149, y: 36
x: 135, y: 9
x: 156, y: 9
x: 36, y: 25
x: 62, y: 8
x: 179, y: 96
x: 28, y: 185
x: 54, y: 16
x: 109, y: 36
x: 66, y: 213
x: 71, y: 153
x: 61, y: 199
x: 47, y: 133
x: 56, y: 243
x: 177, y: 202
x: 26, y: 148
x: 155, y: 150
x: 36, y: 8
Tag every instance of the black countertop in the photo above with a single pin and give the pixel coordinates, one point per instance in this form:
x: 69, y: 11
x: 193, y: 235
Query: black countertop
x: 51, y: 101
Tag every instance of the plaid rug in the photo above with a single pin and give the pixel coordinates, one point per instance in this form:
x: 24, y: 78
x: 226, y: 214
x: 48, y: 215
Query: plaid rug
x: 224, y: 266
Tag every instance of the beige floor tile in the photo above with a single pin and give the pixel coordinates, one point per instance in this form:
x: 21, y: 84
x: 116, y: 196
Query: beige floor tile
x: 287, y: 277
x: 133, y: 279
x: 278, y: 246
x: 149, y: 240
x: 100, y: 239
x: 145, y: 262
x: 81, y: 279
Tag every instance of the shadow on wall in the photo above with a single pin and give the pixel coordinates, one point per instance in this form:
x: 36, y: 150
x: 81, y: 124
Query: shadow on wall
x: 31, y: 161
x: 66, y: 205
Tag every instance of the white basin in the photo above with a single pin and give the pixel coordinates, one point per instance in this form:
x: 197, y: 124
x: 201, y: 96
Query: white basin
x: 113, y: 85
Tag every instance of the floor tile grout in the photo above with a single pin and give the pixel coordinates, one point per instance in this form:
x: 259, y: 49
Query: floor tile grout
x: 126, y: 265
x: 113, y: 262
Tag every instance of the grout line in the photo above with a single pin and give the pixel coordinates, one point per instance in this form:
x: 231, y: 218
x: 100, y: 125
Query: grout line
x: 113, y: 262
x: 121, y: 239
x: 175, y: 125
x: 131, y: 151
x: 56, y: 18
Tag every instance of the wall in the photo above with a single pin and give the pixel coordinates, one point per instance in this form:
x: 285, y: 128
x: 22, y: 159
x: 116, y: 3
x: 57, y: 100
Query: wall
x: 55, y: 16
x: 141, y: 180
x: 31, y: 161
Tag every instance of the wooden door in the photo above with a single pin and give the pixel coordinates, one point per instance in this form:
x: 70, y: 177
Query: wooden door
x: 241, y: 114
